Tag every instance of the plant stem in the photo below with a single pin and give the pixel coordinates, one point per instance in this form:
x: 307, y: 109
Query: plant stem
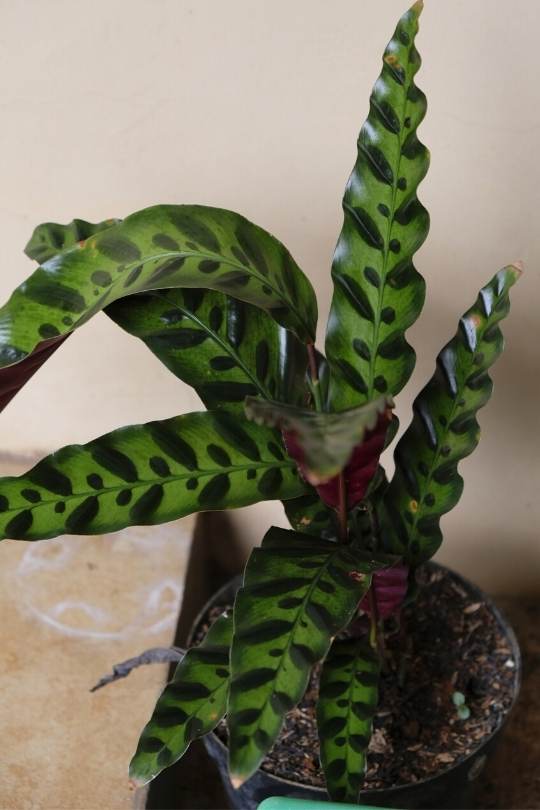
x: 314, y: 374
x: 342, y: 509
x: 376, y: 634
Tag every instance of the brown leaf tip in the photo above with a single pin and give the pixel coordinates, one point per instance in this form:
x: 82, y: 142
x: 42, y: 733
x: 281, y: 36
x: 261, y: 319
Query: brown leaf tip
x: 519, y: 267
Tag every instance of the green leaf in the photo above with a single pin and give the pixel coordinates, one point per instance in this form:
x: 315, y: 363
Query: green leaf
x: 190, y: 706
x: 326, y: 440
x: 444, y: 429
x: 378, y: 293
x: 47, y: 241
x: 148, y: 474
x: 161, y: 247
x: 310, y: 515
x: 51, y: 238
x: 348, y: 698
x: 298, y: 592
x: 226, y: 349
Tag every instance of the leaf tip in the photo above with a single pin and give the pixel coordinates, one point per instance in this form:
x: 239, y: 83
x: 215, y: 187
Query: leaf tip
x: 418, y: 7
x: 236, y: 780
x: 137, y: 778
x: 518, y: 268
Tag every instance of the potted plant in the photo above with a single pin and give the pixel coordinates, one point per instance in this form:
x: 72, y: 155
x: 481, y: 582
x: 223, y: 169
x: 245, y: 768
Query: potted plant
x: 225, y: 307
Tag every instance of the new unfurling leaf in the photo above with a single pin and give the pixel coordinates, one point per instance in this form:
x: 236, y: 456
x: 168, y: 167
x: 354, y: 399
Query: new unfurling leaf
x: 322, y: 443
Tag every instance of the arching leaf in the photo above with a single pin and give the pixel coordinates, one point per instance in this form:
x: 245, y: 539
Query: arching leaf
x: 348, y: 698
x: 47, y: 241
x: 444, y: 429
x: 161, y: 247
x: 190, y: 706
x: 378, y: 293
x: 148, y: 474
x: 298, y: 592
x: 226, y: 349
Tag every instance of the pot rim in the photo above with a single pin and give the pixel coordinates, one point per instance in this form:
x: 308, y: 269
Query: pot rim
x: 393, y: 789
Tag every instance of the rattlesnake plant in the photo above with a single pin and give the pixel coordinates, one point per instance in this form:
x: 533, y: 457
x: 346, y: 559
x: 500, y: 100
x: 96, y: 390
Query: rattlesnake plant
x: 226, y: 308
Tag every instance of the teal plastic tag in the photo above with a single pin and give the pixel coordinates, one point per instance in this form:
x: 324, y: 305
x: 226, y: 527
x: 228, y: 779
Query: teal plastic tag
x: 283, y: 803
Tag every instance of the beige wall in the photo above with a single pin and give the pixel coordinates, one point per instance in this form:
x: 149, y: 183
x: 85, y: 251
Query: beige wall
x: 255, y: 105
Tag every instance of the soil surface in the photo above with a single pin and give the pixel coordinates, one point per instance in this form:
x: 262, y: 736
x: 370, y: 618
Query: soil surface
x: 447, y: 643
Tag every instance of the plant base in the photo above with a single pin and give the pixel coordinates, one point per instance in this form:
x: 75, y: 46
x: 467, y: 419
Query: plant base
x: 422, y: 754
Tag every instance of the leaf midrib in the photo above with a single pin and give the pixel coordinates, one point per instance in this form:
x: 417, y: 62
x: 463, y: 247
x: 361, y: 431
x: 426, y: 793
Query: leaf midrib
x: 263, y: 280
x: 440, y: 444
x: 204, y: 704
x: 227, y: 348
x: 301, y: 614
x: 139, y: 484
x: 391, y: 219
x: 350, y: 692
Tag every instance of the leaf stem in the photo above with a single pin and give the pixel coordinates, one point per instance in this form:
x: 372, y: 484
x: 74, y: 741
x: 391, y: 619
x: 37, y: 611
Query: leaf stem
x: 342, y: 509
x: 314, y: 374
x: 376, y: 633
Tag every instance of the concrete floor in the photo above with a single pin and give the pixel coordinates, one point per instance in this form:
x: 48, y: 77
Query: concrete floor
x: 70, y: 609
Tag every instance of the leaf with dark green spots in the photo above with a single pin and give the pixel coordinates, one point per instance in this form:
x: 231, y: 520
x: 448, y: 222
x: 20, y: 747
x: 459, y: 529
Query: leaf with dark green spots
x: 190, y: 706
x: 165, y: 246
x: 310, y: 515
x: 226, y: 349
x: 321, y: 442
x: 444, y: 429
x: 51, y: 238
x: 348, y: 697
x: 378, y: 294
x: 298, y: 592
x: 148, y: 474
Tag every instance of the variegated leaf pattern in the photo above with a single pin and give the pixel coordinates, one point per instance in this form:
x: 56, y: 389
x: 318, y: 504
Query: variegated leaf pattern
x: 226, y: 349
x: 190, y: 706
x: 444, y: 429
x: 298, y: 593
x: 378, y: 293
x: 148, y: 474
x: 348, y: 698
x: 47, y: 241
x: 51, y: 238
x: 166, y: 246
x: 310, y: 515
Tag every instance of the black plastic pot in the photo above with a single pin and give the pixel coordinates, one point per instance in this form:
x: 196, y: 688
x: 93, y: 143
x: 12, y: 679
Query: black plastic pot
x: 451, y: 788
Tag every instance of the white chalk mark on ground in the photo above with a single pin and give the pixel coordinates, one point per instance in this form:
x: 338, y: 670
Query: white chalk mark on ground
x: 77, y: 586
